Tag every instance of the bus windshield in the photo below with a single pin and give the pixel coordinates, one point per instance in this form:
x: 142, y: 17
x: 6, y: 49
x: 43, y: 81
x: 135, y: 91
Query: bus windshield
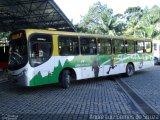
x: 18, y: 55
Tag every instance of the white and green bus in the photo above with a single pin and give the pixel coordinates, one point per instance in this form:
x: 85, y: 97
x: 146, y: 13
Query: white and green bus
x: 39, y: 57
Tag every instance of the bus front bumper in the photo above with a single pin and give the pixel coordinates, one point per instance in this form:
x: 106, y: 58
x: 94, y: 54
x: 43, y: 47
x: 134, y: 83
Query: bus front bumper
x: 19, y: 80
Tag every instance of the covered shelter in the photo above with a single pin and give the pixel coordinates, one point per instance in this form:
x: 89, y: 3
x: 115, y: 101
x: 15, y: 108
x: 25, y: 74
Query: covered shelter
x: 41, y: 14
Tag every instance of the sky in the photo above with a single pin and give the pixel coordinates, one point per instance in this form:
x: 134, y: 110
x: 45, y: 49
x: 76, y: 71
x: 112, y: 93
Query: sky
x: 74, y: 9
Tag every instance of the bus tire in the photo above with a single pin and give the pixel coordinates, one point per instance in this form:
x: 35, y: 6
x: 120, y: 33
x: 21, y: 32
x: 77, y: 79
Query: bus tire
x: 130, y: 69
x: 65, y: 79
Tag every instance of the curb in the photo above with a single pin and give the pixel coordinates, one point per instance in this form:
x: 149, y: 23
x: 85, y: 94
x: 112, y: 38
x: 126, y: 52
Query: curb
x: 140, y: 103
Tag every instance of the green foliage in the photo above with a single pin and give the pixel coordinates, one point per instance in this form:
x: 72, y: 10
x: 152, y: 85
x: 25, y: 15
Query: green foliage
x: 4, y: 36
x: 133, y: 15
x: 100, y: 19
x: 135, y: 21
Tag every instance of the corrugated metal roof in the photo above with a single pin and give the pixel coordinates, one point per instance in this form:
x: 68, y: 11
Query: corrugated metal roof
x: 18, y: 14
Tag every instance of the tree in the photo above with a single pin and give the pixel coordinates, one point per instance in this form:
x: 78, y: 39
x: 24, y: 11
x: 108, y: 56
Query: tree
x: 100, y: 19
x: 133, y: 15
x: 119, y: 24
x: 143, y: 22
x: 135, y: 21
x: 150, y: 22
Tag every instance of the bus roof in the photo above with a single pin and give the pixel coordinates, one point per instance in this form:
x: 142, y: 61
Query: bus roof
x: 55, y: 32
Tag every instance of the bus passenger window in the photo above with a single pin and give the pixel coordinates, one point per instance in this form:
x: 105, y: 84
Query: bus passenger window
x: 104, y: 46
x: 118, y: 46
x: 88, y: 46
x: 140, y: 46
x: 41, y: 49
x: 129, y: 46
x: 68, y: 45
x: 148, y: 46
x: 40, y: 52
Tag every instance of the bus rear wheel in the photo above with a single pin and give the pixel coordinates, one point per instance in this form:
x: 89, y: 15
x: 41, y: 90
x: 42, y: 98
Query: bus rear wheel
x: 65, y: 79
x: 130, y: 70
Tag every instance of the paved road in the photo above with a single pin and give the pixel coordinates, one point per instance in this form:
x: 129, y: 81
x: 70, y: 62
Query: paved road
x: 146, y: 84
x: 84, y: 99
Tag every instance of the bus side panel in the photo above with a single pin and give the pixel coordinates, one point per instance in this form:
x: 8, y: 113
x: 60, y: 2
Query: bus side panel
x: 88, y: 66
x: 143, y: 60
x: 114, y: 65
x: 48, y: 72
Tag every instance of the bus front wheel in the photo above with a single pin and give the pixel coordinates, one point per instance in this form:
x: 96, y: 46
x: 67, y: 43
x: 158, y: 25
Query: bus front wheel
x: 130, y: 70
x: 65, y: 79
